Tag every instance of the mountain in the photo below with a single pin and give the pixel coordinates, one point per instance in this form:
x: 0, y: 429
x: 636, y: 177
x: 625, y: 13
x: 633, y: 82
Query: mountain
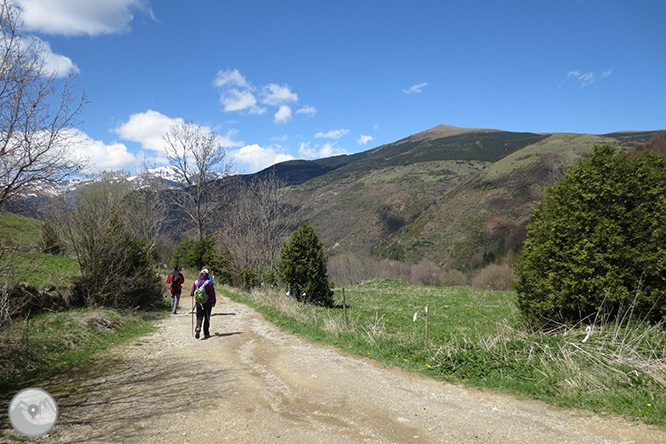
x: 459, y: 197
x: 167, y: 175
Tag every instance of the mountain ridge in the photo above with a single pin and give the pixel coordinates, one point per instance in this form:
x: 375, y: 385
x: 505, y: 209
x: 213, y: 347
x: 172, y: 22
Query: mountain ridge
x: 458, y: 197
x: 433, y: 196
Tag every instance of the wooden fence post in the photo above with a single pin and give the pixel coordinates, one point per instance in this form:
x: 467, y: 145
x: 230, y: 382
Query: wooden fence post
x: 426, y: 325
x: 344, y: 305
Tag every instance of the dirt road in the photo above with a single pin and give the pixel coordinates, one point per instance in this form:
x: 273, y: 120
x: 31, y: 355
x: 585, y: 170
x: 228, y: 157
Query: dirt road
x: 252, y: 383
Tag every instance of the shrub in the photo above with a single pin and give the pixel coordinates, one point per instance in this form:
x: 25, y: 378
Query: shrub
x: 50, y: 242
x: 195, y: 253
x: 424, y: 273
x: 453, y: 278
x: 597, y: 241
x: 249, y: 279
x: 115, y: 263
x: 121, y: 275
x: 494, y: 277
x: 302, y: 267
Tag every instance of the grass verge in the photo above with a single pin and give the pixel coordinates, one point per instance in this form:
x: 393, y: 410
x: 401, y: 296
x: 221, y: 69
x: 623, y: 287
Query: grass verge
x: 473, y: 339
x: 52, y: 350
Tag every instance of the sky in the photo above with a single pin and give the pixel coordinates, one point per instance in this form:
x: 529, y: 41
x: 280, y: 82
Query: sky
x: 281, y: 80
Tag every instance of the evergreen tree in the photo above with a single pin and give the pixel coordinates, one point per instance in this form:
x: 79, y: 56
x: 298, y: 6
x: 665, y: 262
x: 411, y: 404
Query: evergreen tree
x: 50, y: 242
x: 302, y: 267
x: 597, y: 242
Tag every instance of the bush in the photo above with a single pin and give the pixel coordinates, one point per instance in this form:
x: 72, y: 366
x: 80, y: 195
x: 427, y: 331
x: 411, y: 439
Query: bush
x: 121, y: 277
x: 115, y: 263
x: 453, y: 278
x: 302, y: 267
x: 494, y: 277
x: 424, y: 273
x: 249, y: 279
x: 195, y: 253
x: 50, y: 242
x: 597, y: 241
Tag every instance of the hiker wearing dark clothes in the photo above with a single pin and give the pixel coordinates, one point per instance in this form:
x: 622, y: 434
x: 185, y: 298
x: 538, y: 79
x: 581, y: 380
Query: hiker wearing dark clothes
x: 204, y: 297
x: 175, y: 281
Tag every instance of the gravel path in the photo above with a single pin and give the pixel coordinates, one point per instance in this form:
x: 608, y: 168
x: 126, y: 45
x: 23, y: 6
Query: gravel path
x: 252, y: 383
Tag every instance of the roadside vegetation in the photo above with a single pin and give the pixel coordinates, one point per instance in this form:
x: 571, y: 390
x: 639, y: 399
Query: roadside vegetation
x: 476, y: 337
x: 42, y: 341
x: 64, y: 346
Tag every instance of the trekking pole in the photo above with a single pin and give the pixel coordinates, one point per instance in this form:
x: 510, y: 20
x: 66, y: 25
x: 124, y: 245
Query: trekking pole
x: 192, y: 315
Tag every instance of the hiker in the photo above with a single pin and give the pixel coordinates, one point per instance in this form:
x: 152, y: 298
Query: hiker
x: 176, y: 281
x: 204, y: 295
x: 210, y: 275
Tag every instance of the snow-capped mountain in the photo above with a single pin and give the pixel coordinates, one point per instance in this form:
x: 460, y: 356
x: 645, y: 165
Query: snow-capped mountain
x: 167, y: 175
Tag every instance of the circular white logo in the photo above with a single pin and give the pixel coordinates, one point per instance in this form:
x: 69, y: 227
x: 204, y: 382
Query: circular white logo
x: 33, y: 412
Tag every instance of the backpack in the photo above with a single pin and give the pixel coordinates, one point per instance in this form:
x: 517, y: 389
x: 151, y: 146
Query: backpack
x: 175, y: 281
x: 200, y: 295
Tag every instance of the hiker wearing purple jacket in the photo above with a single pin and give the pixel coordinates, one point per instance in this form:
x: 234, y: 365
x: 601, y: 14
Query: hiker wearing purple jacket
x: 203, y: 285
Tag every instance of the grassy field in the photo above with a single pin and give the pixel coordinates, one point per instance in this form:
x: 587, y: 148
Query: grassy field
x: 19, y: 231
x: 474, y: 337
x: 39, y: 269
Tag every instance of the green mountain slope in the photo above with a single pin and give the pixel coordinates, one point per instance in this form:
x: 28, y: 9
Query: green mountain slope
x: 484, y: 219
x: 458, y: 197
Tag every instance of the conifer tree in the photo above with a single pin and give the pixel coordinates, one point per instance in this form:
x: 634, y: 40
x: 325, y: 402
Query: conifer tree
x: 597, y: 242
x: 302, y: 267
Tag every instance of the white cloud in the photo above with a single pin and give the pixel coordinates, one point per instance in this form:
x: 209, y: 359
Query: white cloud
x: 229, y: 77
x: 237, y: 94
x: 283, y: 115
x: 588, y: 78
x: 305, y: 150
x: 147, y: 129
x: 318, y: 151
x: 258, y: 158
x: 333, y: 134
x: 307, y: 110
x: 99, y: 156
x: 79, y: 17
x: 59, y: 65
x: 275, y: 95
x: 227, y: 141
x: 241, y: 100
x: 415, y: 89
x: 363, y: 140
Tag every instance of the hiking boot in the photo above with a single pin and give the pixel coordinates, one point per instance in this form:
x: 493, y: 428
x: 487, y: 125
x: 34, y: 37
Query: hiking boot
x: 197, y: 332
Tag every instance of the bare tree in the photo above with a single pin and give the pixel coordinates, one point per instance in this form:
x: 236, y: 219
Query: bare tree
x: 114, y: 261
x: 148, y: 210
x: 37, y: 114
x: 199, y: 159
x: 256, y: 226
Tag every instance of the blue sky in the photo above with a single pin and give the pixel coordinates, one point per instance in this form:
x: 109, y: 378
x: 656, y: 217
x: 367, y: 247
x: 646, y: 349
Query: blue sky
x: 278, y: 80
